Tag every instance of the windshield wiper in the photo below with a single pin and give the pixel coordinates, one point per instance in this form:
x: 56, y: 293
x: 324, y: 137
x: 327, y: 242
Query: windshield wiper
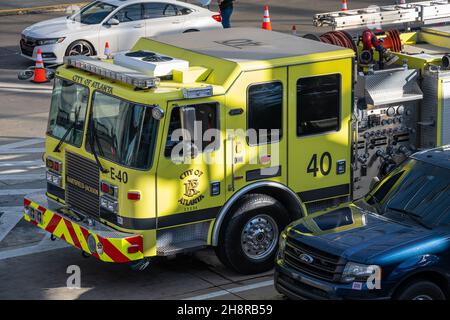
x: 93, y: 134
x: 413, y: 216
x: 72, y: 126
x: 63, y: 138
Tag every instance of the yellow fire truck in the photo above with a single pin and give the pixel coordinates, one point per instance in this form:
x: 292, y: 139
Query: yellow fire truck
x: 154, y: 152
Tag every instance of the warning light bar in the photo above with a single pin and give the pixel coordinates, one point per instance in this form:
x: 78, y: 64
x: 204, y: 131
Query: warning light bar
x: 192, y: 93
x: 112, y: 71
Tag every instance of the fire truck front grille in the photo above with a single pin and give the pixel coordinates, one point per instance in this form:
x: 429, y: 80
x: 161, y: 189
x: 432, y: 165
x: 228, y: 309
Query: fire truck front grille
x: 316, y: 263
x: 82, y: 183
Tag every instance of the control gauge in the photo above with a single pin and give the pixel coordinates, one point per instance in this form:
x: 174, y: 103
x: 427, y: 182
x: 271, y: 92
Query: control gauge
x: 400, y: 110
x: 390, y: 111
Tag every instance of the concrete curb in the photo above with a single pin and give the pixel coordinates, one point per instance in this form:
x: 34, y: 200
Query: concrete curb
x: 42, y: 9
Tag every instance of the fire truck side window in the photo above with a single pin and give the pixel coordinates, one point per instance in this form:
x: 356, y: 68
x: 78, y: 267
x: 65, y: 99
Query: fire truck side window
x: 207, y: 117
x: 318, y: 104
x: 264, y: 109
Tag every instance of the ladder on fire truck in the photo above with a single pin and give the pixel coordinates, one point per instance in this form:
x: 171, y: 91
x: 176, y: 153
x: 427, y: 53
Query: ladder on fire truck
x: 424, y: 13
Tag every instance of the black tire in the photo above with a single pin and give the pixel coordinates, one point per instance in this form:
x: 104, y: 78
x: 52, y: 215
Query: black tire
x: 191, y: 30
x: 80, y: 45
x: 421, y: 290
x: 251, y: 208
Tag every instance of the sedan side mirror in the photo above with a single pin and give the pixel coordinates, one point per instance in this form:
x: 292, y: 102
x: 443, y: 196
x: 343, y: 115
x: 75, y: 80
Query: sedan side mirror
x: 112, y: 22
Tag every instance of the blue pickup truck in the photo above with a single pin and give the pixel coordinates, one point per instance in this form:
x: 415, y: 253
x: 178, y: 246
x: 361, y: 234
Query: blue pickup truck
x: 392, y: 244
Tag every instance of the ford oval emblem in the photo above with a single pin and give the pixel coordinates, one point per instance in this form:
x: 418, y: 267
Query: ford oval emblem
x: 306, y: 258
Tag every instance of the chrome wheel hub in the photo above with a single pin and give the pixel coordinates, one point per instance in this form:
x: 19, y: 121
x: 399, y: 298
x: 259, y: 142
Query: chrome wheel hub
x: 259, y: 237
x: 80, y: 49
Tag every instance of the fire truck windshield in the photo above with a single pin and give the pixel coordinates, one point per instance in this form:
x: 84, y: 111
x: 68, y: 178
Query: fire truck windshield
x: 68, y: 111
x: 124, y: 132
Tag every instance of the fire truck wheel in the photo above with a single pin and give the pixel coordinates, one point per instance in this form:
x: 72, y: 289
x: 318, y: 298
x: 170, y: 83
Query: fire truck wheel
x: 249, y: 239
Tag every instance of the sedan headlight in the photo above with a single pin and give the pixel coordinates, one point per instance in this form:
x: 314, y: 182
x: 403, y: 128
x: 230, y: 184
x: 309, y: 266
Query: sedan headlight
x: 43, y: 42
x: 358, y: 272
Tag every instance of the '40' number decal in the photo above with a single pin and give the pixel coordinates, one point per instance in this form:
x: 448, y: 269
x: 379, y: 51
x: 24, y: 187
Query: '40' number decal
x: 324, y: 166
x: 120, y: 175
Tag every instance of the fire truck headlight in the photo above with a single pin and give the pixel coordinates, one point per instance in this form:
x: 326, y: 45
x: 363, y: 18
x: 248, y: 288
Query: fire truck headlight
x: 108, y: 204
x: 53, y: 178
x: 99, y: 248
x: 27, y: 211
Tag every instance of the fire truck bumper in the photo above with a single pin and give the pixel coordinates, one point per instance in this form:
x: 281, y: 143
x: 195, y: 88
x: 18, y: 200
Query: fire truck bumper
x: 82, y: 231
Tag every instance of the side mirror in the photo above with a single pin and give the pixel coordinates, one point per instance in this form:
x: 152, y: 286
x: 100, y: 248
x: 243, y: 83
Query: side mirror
x: 375, y: 181
x: 112, y: 22
x: 187, y: 117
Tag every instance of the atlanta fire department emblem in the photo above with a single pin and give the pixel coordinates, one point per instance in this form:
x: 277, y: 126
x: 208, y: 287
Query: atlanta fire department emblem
x: 191, y: 194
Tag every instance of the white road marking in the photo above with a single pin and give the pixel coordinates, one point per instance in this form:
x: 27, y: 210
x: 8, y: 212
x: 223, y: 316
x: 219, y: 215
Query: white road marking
x: 9, y: 217
x: 25, y: 86
x: 14, y: 171
x: 20, y: 151
x: 45, y: 245
x: 25, y: 163
x: 8, y: 221
x: 22, y: 177
x: 16, y: 192
x: 10, y: 157
x: 11, y: 210
x: 224, y: 292
x: 49, y: 92
x: 23, y: 143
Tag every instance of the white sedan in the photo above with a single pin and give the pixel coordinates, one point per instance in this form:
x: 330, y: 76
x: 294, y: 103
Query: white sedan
x: 119, y: 22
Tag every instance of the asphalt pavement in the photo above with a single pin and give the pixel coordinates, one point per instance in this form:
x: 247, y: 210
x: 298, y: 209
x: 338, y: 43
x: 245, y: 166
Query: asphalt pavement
x: 31, y: 265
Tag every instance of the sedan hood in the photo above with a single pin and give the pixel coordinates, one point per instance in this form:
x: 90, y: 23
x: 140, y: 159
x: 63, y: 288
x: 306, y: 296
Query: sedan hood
x: 56, y: 28
x: 358, y: 235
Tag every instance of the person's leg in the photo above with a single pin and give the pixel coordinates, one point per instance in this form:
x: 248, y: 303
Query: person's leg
x: 226, y: 15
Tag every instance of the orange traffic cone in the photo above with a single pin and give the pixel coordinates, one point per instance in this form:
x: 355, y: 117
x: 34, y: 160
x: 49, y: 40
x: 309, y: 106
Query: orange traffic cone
x: 294, y: 30
x: 344, y: 5
x: 107, y: 51
x: 39, y: 70
x: 266, y: 20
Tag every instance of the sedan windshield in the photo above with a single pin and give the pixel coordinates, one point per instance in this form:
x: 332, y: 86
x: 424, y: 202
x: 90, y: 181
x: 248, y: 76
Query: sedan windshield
x: 68, y: 111
x: 123, y: 132
x: 94, y: 13
x: 418, y: 190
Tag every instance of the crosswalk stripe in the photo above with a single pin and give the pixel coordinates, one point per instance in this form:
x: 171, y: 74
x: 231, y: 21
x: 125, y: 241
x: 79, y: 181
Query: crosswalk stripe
x: 23, y: 163
x: 9, y: 210
x: 23, y: 143
x: 20, y: 151
x: 21, y: 177
x: 24, y: 86
x: 16, y: 192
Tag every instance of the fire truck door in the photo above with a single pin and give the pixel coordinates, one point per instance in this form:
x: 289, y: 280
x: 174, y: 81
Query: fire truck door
x: 256, y: 119
x: 319, y: 112
x: 191, y: 188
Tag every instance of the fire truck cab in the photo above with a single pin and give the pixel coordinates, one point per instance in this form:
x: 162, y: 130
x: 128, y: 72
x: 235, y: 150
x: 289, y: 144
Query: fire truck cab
x: 219, y: 138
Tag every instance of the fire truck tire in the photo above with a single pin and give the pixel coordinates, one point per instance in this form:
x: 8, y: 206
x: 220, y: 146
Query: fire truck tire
x: 248, y: 241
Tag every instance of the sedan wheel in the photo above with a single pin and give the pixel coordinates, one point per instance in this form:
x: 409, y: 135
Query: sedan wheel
x: 80, y: 48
